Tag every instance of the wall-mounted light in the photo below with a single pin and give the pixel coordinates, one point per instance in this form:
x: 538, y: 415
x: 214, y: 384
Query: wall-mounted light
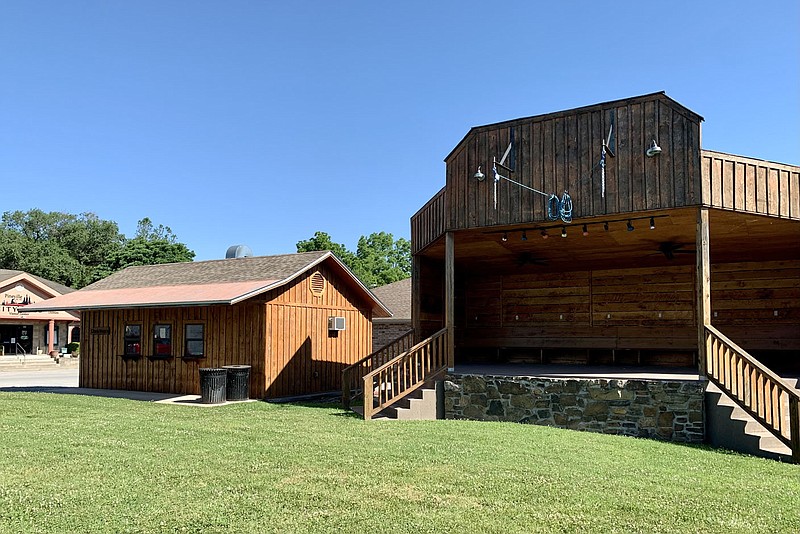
x: 630, y: 226
x: 652, y: 223
x: 585, y: 230
x: 563, y: 231
x: 479, y: 175
x: 654, y: 149
x: 505, y: 237
x: 524, y: 235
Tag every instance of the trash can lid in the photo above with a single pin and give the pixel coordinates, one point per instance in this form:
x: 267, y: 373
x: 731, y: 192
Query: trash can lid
x: 236, y: 367
x: 211, y: 369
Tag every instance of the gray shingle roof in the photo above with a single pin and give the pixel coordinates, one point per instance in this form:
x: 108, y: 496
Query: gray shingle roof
x: 209, y: 272
x: 5, y: 274
x: 397, y: 297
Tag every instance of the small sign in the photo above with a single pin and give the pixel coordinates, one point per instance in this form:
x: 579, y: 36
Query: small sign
x: 101, y: 331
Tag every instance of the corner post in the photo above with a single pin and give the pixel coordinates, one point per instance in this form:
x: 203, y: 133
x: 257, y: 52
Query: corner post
x: 703, y: 280
x: 449, y: 297
x: 51, y: 333
x: 794, y: 427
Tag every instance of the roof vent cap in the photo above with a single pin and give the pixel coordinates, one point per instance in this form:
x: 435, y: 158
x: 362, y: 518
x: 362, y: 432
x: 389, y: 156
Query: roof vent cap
x: 238, y: 251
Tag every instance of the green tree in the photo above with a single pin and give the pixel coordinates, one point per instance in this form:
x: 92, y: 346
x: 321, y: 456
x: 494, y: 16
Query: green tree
x: 62, y: 247
x: 151, y: 246
x: 378, y: 259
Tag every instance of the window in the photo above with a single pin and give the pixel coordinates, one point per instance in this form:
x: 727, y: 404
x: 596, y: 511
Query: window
x: 162, y: 340
x: 47, y: 334
x: 133, y: 339
x: 193, y: 341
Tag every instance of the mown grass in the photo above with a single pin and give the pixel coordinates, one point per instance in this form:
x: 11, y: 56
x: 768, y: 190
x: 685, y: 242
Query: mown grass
x: 87, y: 464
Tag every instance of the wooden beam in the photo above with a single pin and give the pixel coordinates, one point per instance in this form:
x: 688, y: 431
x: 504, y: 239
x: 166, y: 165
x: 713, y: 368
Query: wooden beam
x: 416, y: 297
x: 703, y: 285
x: 449, y: 297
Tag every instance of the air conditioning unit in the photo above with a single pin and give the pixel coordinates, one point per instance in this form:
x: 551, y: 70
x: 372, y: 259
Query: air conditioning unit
x: 336, y: 323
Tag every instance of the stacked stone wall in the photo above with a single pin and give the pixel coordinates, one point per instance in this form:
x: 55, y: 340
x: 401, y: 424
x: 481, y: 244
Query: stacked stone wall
x: 665, y: 410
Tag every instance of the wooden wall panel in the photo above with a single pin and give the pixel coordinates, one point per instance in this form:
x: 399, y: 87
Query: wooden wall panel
x: 561, y: 151
x: 751, y: 185
x: 232, y: 336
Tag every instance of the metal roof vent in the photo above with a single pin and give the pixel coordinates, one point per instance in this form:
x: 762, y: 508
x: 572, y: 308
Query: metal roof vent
x: 238, y: 251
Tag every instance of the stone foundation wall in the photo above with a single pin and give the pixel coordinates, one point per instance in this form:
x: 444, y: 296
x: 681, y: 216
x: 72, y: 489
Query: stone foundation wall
x: 665, y: 410
x: 385, y: 333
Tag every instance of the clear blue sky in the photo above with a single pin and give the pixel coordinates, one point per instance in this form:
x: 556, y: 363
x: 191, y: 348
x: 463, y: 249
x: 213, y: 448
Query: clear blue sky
x: 261, y: 122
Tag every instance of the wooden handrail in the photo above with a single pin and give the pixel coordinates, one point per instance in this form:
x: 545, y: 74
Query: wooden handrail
x: 429, y: 222
x: 755, y: 388
x: 397, y: 378
x: 352, y: 375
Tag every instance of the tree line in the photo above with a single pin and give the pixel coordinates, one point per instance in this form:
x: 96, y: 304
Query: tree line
x: 76, y: 250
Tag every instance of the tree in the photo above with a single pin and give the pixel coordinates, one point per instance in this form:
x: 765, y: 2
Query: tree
x: 378, y: 259
x: 151, y: 246
x: 76, y: 250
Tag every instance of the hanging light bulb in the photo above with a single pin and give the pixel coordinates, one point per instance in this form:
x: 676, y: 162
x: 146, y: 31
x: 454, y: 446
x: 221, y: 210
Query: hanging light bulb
x: 524, y: 236
x: 585, y: 230
x: 652, y: 223
x: 544, y: 234
x: 630, y: 226
x: 505, y: 237
x: 563, y: 231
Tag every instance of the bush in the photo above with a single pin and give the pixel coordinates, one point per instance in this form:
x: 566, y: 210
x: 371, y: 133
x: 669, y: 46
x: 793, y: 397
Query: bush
x: 74, y: 348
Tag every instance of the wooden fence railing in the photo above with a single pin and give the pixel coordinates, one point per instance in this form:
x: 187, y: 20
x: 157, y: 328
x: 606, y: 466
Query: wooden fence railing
x: 429, y: 222
x: 353, y: 375
x: 397, y: 378
x: 755, y: 388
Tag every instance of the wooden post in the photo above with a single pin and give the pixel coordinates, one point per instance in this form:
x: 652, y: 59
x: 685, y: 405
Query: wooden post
x: 416, y: 298
x: 51, y: 333
x: 345, y: 391
x: 703, y: 280
x: 794, y: 427
x: 449, y: 296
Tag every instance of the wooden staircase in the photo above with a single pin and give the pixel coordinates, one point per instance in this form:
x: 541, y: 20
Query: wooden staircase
x: 398, y: 381
x: 763, y: 406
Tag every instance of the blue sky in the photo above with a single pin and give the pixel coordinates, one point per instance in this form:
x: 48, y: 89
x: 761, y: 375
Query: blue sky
x: 262, y: 122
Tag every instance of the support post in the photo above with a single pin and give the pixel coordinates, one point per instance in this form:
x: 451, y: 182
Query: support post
x: 794, y: 427
x: 416, y: 299
x: 703, y: 281
x: 449, y: 297
x: 51, y: 333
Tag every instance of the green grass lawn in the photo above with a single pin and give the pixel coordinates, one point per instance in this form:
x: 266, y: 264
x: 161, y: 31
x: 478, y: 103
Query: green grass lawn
x: 86, y: 464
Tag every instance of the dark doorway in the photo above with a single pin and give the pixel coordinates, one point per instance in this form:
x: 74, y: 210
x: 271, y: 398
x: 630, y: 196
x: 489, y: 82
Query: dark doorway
x: 16, y: 338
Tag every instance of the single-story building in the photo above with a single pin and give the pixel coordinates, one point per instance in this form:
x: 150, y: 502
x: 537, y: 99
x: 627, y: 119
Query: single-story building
x: 296, y: 319
x: 397, y: 297
x: 22, y: 332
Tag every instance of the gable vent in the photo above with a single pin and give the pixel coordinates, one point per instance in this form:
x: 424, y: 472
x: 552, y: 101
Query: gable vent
x: 317, y: 284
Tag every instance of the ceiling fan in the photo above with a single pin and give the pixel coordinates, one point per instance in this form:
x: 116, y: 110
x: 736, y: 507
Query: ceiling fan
x: 670, y: 248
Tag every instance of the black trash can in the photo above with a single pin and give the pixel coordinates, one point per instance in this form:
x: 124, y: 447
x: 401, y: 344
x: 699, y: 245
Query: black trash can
x: 238, y: 382
x: 212, y: 385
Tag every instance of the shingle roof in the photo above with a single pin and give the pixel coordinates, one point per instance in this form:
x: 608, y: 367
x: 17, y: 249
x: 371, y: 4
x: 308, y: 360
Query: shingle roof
x: 397, y: 297
x: 202, y: 283
x: 209, y: 272
x: 5, y: 274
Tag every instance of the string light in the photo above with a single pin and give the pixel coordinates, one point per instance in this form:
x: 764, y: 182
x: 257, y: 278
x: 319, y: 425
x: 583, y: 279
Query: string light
x: 524, y: 235
x: 505, y: 237
x: 630, y: 226
x: 544, y: 234
x: 563, y: 231
x: 605, y: 226
x: 585, y: 230
x: 652, y: 223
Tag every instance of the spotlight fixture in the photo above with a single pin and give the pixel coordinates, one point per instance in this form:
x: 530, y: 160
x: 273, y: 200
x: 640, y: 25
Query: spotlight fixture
x: 563, y: 231
x: 605, y: 226
x: 505, y: 237
x: 654, y: 149
x: 544, y: 234
x: 524, y: 236
x: 630, y: 226
x: 479, y: 175
x: 585, y: 231
x: 652, y: 223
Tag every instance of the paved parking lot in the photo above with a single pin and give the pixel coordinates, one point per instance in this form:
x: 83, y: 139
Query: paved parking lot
x: 63, y: 378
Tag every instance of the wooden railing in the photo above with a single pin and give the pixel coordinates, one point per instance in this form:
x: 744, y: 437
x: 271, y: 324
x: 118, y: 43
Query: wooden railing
x: 399, y: 377
x: 429, y: 222
x: 755, y: 388
x: 353, y: 375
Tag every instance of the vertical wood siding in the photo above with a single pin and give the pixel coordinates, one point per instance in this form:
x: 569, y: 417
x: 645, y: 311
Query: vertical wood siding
x: 561, y: 151
x: 750, y: 185
x: 283, y: 336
